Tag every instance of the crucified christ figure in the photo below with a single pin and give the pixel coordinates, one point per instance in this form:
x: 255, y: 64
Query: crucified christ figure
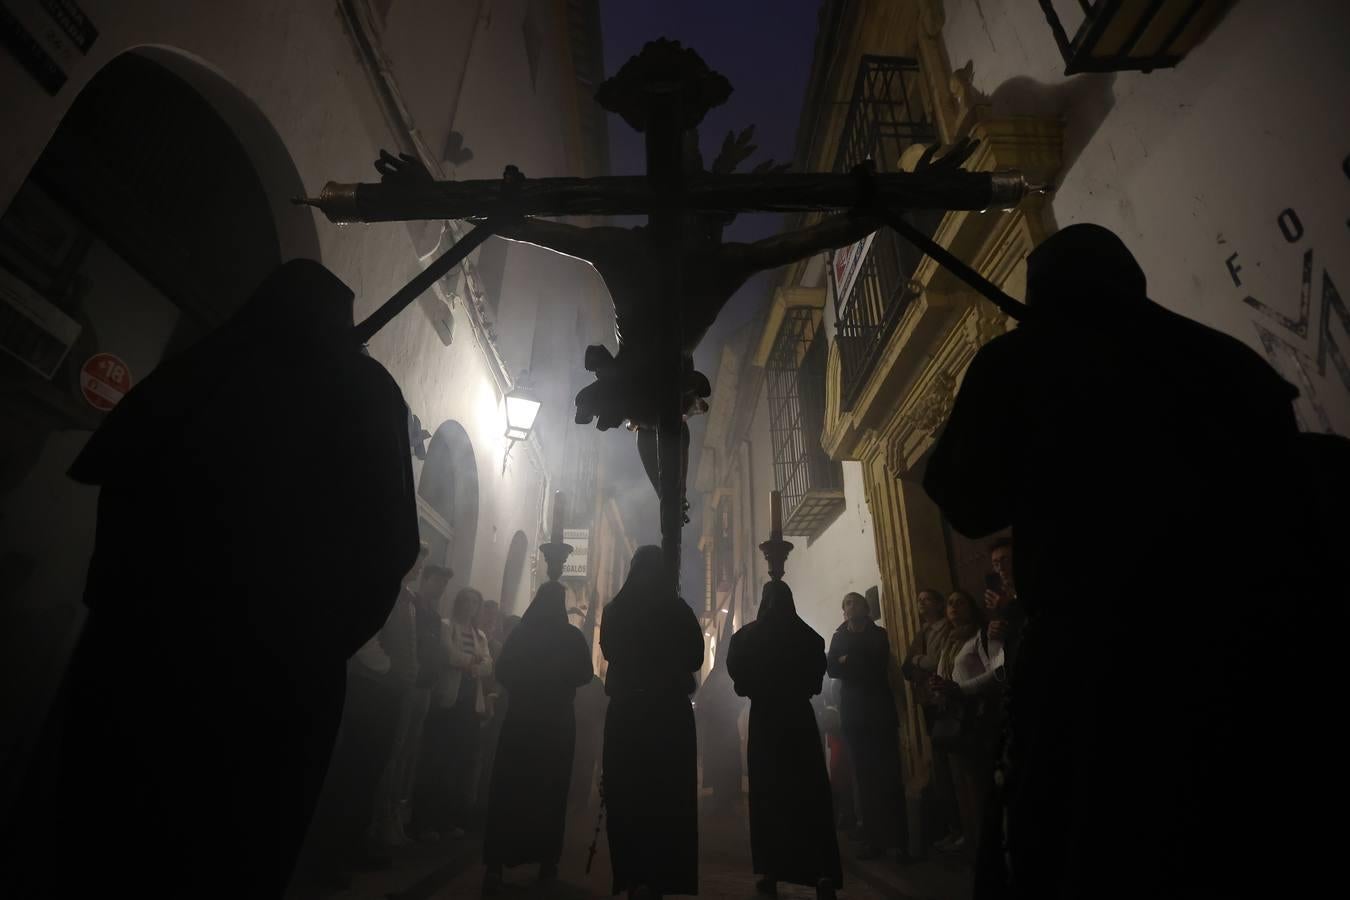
x: 629, y: 385
x: 670, y: 278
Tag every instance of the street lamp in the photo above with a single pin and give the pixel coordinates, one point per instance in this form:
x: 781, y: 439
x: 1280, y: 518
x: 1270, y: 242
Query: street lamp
x: 522, y: 407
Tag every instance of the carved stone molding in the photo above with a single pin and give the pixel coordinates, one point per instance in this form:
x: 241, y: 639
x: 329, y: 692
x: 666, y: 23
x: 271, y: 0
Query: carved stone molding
x: 988, y: 323
x: 911, y: 432
x: 936, y: 404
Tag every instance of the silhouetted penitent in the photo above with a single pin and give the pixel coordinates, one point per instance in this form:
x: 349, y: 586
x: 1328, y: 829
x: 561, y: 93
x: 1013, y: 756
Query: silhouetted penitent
x: 653, y: 644
x: 1135, y: 454
x: 206, y: 691
x: 778, y: 661
x: 542, y: 664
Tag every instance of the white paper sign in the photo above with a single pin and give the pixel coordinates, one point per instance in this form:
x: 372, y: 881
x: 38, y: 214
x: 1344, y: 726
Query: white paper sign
x: 580, y: 539
x: 845, y: 264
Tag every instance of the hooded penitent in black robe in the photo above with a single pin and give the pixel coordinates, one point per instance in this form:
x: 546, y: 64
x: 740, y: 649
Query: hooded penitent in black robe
x: 542, y: 664
x: 654, y: 644
x: 1142, y: 462
x: 255, y: 519
x: 778, y: 661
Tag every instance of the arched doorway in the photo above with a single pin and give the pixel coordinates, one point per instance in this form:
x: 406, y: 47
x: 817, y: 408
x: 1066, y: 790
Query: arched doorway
x: 448, y: 504
x: 512, y: 575
x: 142, y: 226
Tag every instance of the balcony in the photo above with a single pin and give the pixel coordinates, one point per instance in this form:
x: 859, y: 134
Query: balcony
x: 885, y: 117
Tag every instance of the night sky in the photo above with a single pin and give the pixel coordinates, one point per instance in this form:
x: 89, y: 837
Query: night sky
x: 764, y: 48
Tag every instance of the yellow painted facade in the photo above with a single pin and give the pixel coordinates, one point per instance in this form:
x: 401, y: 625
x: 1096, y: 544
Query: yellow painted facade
x: 903, y: 401
x: 906, y: 398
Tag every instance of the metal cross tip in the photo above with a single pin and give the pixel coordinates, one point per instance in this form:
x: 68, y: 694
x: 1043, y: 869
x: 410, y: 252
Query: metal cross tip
x: 305, y: 201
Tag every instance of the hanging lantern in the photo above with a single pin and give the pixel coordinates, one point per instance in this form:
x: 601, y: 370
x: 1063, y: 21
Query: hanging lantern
x: 522, y: 407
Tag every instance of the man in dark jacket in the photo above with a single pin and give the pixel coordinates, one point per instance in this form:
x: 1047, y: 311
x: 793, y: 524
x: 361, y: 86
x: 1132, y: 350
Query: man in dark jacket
x: 860, y: 658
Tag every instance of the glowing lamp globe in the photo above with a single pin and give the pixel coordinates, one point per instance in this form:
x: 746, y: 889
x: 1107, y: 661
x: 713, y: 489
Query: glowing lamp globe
x: 522, y: 407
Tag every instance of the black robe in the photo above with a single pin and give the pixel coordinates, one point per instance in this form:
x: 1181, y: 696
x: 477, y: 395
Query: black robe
x: 1139, y: 458
x: 778, y: 661
x: 653, y: 644
x: 542, y: 664
x: 256, y: 518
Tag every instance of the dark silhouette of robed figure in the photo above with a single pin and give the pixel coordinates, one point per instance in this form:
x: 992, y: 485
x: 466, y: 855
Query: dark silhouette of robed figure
x: 1138, y: 457
x: 778, y: 661
x: 542, y: 664
x: 653, y: 644
x: 255, y: 519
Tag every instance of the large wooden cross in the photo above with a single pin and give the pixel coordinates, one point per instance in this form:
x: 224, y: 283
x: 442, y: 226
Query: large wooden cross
x: 669, y: 279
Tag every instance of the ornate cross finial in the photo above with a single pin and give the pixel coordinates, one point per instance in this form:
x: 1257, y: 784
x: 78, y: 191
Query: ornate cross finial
x: 664, y: 71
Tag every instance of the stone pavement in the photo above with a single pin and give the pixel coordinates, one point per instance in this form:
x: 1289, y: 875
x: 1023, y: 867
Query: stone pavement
x: 453, y: 869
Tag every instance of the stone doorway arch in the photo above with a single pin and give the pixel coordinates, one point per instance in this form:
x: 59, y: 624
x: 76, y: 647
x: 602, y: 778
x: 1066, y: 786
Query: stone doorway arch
x: 448, y: 504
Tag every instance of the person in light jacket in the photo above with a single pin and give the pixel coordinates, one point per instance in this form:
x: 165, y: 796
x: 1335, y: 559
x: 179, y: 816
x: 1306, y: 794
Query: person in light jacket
x: 450, y: 737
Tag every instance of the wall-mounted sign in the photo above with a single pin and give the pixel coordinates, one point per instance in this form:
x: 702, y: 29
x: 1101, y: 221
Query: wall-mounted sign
x: 104, y: 380
x: 845, y: 264
x: 580, y: 539
x: 47, y: 37
x: 32, y: 329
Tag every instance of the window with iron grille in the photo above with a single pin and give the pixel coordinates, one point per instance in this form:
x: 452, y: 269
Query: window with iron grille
x: 886, y: 116
x: 811, y: 483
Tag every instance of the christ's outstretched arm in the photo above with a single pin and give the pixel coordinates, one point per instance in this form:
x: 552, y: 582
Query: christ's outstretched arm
x: 783, y: 249
x: 589, y: 244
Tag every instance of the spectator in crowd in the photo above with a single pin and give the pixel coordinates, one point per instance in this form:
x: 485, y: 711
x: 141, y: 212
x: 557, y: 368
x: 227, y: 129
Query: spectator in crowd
x: 841, y: 767
x: 339, y: 839
x: 491, y: 623
x: 542, y: 664
x: 1006, y: 615
x: 860, y: 656
x: 779, y: 663
x: 965, y: 683
x: 399, y: 637
x: 653, y: 644
x: 921, y: 664
x: 451, y: 736
x: 433, y: 664
x: 207, y: 687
